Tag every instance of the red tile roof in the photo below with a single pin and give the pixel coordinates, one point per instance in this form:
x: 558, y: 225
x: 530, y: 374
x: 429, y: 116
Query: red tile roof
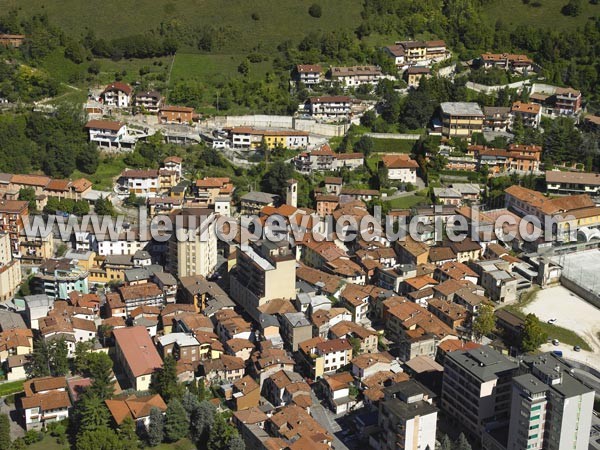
x: 138, y: 350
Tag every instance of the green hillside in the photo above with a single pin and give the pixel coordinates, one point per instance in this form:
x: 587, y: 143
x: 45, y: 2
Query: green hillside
x: 277, y: 20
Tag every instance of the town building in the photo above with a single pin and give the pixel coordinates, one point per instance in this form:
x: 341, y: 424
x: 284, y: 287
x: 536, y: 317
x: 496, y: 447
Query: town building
x: 461, y: 119
x: 572, y: 183
x: 401, y: 167
x: 135, y: 407
x: 46, y: 400
x: 496, y: 118
x: 507, y: 61
x: 117, y: 94
x: 355, y: 76
x: 414, y: 74
x: 417, y: 52
x: 331, y: 107
x: 10, y: 269
x: 321, y: 357
x: 176, y: 114
x: 136, y: 355
x: 309, y: 74
x: 192, y: 247
x: 407, y: 417
x: 110, y: 134
x: 264, y: 271
x: 477, y: 387
x: 13, y: 214
x: 530, y: 113
x: 148, y: 101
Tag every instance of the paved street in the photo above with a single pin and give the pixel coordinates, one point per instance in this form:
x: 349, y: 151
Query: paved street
x: 15, y: 429
x: 326, y: 418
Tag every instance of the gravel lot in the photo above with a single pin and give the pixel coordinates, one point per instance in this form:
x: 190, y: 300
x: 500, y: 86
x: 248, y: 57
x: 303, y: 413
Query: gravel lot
x: 571, y: 312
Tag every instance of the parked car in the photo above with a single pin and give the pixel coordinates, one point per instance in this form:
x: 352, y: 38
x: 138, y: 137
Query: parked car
x: 557, y: 353
x: 555, y: 342
x: 551, y: 320
x: 577, y: 348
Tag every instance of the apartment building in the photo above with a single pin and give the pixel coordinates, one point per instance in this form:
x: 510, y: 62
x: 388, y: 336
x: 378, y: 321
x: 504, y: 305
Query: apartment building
x: 13, y: 214
x: 461, y: 119
x: 572, y: 183
x: 496, y: 118
x: 417, y: 52
x: 309, y: 74
x: 252, y: 138
x: 148, y: 101
x: 507, y: 61
x: 192, y: 248
x: 10, y: 269
x: 253, y: 202
x: 117, y: 94
x: 176, y: 114
x: 530, y: 113
x: 332, y: 107
x: 549, y: 408
x: 264, y: 271
x: 57, y: 278
x: 323, y: 357
x: 413, y: 75
x: 137, y: 356
x: 295, y: 329
x: 209, y: 189
x: 476, y: 387
x: 355, y: 76
x: 407, y: 417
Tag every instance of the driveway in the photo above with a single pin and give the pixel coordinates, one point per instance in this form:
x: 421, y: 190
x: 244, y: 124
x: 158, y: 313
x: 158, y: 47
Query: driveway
x: 15, y: 429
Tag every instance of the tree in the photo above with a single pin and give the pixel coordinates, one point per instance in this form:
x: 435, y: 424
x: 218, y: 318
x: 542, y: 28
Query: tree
x: 100, y: 370
x: 236, y: 443
x: 4, y: 432
x: 88, y: 159
x: 156, y: 427
x: 176, y: 421
x: 28, y: 195
x: 462, y: 443
x: 82, y: 352
x: 202, y: 421
x: 221, y: 433
x: 244, y: 67
x: 364, y: 145
x: 48, y: 359
x: 92, y: 413
x: 445, y: 443
x: 484, y: 323
x: 275, y: 179
x: 127, y: 433
x: 103, y: 438
x: 104, y: 207
x: 190, y: 402
x: 164, y: 380
x: 533, y: 335
x: 315, y: 10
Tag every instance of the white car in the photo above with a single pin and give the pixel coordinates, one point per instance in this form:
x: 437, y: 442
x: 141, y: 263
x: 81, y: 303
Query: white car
x: 551, y: 320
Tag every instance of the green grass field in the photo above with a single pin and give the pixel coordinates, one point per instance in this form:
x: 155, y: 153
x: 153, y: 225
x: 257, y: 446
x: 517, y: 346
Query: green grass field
x: 11, y: 387
x: 392, y: 146
x: 547, y: 15
x: 110, y: 167
x: 408, y: 201
x: 278, y: 20
x: 564, y: 335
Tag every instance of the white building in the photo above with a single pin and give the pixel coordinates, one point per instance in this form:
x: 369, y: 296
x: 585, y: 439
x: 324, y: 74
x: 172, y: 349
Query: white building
x: 336, y: 107
x: 309, y: 74
x: 401, y: 168
x: 143, y: 183
x: 355, y: 76
x: 46, y: 400
x: 407, y: 418
x: 117, y: 94
x: 109, y: 134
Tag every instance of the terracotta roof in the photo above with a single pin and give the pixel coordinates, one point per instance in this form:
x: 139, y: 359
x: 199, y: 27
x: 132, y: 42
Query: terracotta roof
x: 368, y: 359
x: 37, y: 385
x: 131, y: 173
x: 531, y: 108
x: 339, y: 380
x: 333, y: 345
x: 251, y: 416
x: 13, y: 206
x: 48, y: 401
x: 400, y: 161
x: 145, y: 290
x: 330, y: 99
x: 451, y: 286
x: 420, y: 282
x: 457, y: 270
x: 138, y: 350
x: 104, y: 125
x: 134, y: 407
x: 225, y: 362
x: 118, y: 86
x: 557, y: 176
x: 441, y: 254
x: 451, y: 345
x: 237, y: 344
x: 246, y: 385
x: 309, y: 68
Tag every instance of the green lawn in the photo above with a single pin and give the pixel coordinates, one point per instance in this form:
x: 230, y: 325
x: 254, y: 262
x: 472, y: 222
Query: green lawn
x: 564, y: 335
x: 102, y: 179
x: 548, y: 15
x: 408, y: 201
x: 183, y: 444
x: 278, y: 20
x: 48, y: 443
x: 392, y: 145
x: 214, y: 68
x: 11, y: 387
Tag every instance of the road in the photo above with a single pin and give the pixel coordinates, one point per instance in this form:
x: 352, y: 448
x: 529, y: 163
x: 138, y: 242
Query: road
x: 15, y: 429
x: 327, y: 419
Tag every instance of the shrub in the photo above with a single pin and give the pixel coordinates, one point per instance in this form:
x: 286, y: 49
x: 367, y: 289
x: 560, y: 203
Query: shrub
x: 315, y: 10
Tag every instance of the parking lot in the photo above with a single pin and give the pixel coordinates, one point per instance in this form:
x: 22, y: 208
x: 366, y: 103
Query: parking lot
x: 573, y: 313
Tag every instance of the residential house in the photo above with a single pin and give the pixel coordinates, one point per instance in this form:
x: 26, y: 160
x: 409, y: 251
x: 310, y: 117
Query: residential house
x: 366, y: 338
x: 496, y: 118
x: 355, y: 76
x: 225, y: 369
x: 13, y: 214
x: 401, y: 167
x: 148, y: 101
x: 295, y: 329
x: 530, y: 113
x: 325, y: 356
x: 117, y: 94
x: 507, y: 61
x: 414, y: 74
x: 330, y: 107
x: 246, y: 393
x: 135, y: 407
x: 46, y: 400
x: 143, y: 183
x: 137, y: 356
x: 176, y: 114
x: 337, y: 392
x: 309, y: 74
x: 572, y: 183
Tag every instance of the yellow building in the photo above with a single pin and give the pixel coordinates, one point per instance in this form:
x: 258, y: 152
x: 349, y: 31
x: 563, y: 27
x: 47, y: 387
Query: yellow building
x: 10, y: 269
x: 461, y: 119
